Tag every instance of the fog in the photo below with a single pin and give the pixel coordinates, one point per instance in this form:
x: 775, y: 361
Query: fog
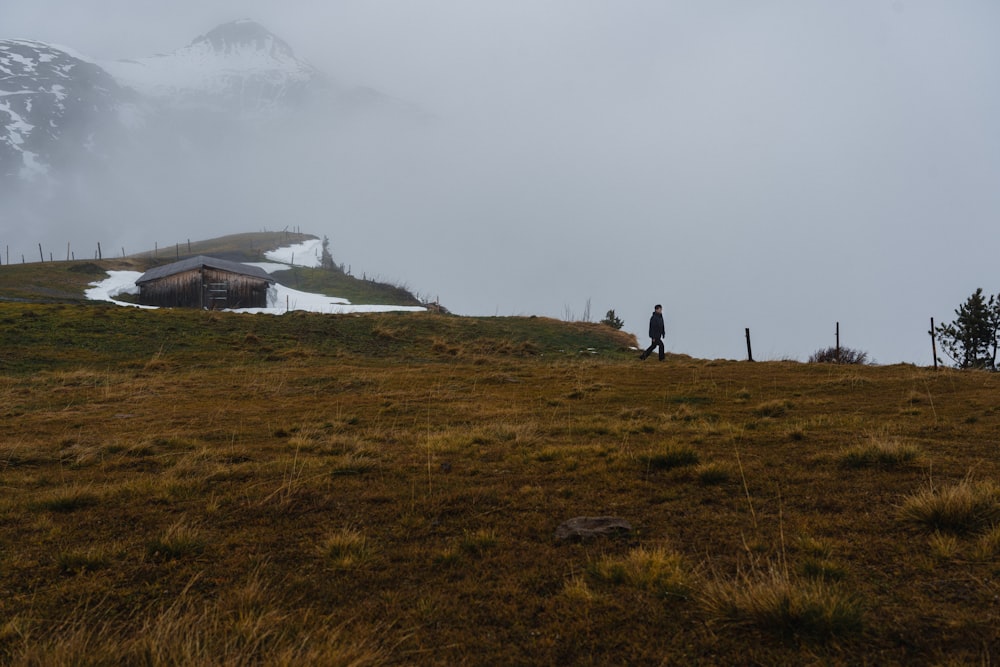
x: 777, y: 166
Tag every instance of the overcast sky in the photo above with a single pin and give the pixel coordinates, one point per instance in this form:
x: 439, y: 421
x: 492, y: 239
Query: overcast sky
x: 781, y: 166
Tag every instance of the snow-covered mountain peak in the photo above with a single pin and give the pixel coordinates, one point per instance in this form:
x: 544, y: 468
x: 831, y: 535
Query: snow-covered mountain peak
x: 242, y: 36
x: 236, y: 67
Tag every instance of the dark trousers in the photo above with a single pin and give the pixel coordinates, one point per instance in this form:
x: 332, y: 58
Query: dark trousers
x: 649, y: 350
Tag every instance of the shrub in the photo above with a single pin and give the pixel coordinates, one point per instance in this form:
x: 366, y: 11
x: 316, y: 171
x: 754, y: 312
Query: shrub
x: 844, y: 355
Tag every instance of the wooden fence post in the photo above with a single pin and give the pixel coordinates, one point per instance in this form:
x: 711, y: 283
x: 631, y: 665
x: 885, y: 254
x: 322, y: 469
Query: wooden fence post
x: 749, y: 351
x: 838, y: 342
x: 933, y: 344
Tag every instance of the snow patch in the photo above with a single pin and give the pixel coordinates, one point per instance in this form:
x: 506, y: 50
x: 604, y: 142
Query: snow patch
x: 117, y: 282
x: 307, y: 253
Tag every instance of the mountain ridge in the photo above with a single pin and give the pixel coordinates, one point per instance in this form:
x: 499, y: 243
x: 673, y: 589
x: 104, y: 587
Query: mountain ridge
x: 239, y: 67
x: 61, y: 112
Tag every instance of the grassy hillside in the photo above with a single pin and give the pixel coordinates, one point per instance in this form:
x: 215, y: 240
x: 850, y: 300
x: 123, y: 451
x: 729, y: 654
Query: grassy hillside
x: 211, y: 488
x: 66, y: 281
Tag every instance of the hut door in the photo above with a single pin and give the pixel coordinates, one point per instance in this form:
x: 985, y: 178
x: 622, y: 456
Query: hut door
x: 218, y: 295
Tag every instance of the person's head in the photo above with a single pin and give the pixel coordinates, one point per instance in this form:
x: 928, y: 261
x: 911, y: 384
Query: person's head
x: 658, y: 308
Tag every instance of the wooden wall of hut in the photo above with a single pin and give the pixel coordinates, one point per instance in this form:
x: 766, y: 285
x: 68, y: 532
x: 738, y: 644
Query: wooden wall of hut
x: 205, y: 288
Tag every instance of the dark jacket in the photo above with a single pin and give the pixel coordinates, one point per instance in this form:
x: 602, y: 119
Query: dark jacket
x: 656, y: 328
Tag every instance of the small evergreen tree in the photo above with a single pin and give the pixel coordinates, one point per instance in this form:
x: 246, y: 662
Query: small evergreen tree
x: 613, y: 320
x: 971, y: 340
x: 326, y: 259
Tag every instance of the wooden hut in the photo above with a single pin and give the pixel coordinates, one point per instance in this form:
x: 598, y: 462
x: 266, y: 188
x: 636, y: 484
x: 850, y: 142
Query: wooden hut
x: 204, y: 282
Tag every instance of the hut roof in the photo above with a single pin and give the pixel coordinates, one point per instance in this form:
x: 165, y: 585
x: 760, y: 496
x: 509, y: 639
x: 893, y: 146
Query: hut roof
x: 201, y: 261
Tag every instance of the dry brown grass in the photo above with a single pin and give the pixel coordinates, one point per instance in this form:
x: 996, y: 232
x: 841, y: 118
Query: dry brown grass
x: 962, y: 507
x: 880, y: 451
x: 303, y: 499
x: 775, y: 601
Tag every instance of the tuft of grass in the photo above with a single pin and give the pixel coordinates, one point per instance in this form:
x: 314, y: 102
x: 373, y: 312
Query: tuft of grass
x: 817, y: 562
x: 65, y: 500
x: 479, y: 541
x: 712, y: 473
x: 775, y: 601
x: 444, y: 346
x: 77, y: 561
x: 880, y: 453
x: 959, y: 508
x: 577, y: 590
x: 987, y: 546
x: 346, y: 549
x: 354, y: 463
x: 822, y: 569
x: 548, y: 454
x: 179, y: 541
x: 943, y: 546
x: 672, y: 456
x: 773, y: 409
x: 658, y: 570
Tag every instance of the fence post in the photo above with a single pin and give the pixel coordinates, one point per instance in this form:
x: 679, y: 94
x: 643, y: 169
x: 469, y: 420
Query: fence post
x: 933, y: 344
x: 749, y: 351
x: 838, y: 342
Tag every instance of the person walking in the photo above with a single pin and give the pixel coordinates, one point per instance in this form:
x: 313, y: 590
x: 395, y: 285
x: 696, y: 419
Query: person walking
x: 657, y: 331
